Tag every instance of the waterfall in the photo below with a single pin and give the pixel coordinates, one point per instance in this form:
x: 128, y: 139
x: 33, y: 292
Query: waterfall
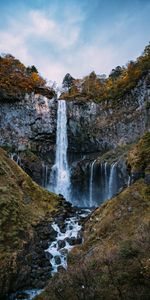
x: 105, y: 175
x: 60, y: 177
x: 16, y: 158
x: 45, y: 174
x: 129, y: 181
x: 112, y: 180
x: 91, y: 184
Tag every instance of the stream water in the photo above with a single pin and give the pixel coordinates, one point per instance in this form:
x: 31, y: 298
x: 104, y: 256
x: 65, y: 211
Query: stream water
x: 58, y: 250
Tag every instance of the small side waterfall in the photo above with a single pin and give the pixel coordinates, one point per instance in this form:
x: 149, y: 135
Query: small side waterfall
x: 104, y: 180
x: 16, y: 158
x: 91, y: 185
x: 106, y: 176
x: 129, y: 180
x: 60, y: 177
x: 45, y: 174
x: 112, y: 180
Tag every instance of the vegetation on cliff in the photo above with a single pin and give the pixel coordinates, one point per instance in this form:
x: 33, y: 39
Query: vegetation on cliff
x: 120, y: 81
x: 16, y: 80
x: 139, y: 156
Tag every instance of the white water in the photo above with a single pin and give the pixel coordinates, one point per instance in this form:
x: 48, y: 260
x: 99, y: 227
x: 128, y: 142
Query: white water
x: 16, y: 158
x: 105, y: 174
x: 60, y: 177
x: 129, y: 181
x: 111, y: 180
x: 27, y: 294
x: 61, y: 252
x: 91, y: 185
x: 45, y: 178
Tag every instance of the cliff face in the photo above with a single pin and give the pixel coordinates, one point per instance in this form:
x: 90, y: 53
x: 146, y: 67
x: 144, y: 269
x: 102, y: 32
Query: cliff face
x: 92, y: 127
x: 101, y: 126
x: 30, y: 123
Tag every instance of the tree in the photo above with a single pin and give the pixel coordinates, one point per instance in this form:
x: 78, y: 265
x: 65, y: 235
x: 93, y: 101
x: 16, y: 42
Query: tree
x: 115, y: 73
x: 68, y: 82
x: 31, y: 70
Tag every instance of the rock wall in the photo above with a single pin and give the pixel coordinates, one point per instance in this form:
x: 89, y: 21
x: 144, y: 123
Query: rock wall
x: 99, y: 127
x: 29, y: 124
x: 92, y: 127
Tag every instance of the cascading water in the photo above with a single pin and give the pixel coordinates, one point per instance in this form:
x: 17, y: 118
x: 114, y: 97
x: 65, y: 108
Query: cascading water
x: 105, y: 176
x: 45, y: 174
x: 60, y: 177
x: 112, y: 180
x: 91, y: 185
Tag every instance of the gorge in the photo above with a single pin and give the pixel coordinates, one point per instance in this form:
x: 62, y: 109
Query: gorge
x: 95, y: 155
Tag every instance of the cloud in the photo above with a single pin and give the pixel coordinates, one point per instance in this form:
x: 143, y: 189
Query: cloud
x: 36, y: 28
x: 13, y: 44
x: 69, y: 42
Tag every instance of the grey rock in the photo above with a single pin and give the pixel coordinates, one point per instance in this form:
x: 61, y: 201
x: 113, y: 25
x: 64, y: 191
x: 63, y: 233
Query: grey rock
x: 57, y: 260
x: 61, y: 244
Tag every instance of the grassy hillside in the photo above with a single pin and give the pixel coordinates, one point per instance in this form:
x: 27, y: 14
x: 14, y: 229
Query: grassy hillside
x: 139, y: 156
x: 22, y: 203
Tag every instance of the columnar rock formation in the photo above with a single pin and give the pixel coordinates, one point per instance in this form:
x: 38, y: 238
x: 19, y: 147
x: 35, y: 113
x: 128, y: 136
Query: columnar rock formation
x: 29, y: 123
x: 91, y: 126
x: 101, y: 126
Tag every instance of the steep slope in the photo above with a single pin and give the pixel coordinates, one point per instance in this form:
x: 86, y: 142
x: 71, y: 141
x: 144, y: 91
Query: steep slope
x: 23, y: 204
x: 113, y: 262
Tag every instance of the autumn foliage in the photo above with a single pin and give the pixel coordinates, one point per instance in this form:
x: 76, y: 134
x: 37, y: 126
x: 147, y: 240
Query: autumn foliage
x: 16, y: 79
x: 120, y: 81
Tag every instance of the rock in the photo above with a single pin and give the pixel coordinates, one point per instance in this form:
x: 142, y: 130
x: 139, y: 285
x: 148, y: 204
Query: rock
x: 147, y: 175
x: 45, y: 263
x: 44, y: 245
x: 57, y: 260
x: 30, y: 124
x: 63, y: 228
x: 60, y: 269
x: 22, y: 295
x: 48, y: 255
x: 135, y: 176
x: 71, y: 241
x: 63, y: 251
x: 61, y: 244
x: 79, y: 237
x: 147, y: 179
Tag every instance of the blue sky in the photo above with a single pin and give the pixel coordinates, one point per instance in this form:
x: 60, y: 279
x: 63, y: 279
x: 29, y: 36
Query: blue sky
x: 75, y: 36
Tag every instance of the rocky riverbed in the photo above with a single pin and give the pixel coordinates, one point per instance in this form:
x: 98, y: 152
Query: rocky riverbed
x: 48, y: 254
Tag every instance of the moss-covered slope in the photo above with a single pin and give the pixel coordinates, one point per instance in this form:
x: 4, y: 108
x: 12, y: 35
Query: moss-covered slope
x: 22, y: 203
x: 139, y: 156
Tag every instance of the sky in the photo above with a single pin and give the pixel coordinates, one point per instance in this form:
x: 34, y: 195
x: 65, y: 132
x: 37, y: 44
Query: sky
x: 74, y: 36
